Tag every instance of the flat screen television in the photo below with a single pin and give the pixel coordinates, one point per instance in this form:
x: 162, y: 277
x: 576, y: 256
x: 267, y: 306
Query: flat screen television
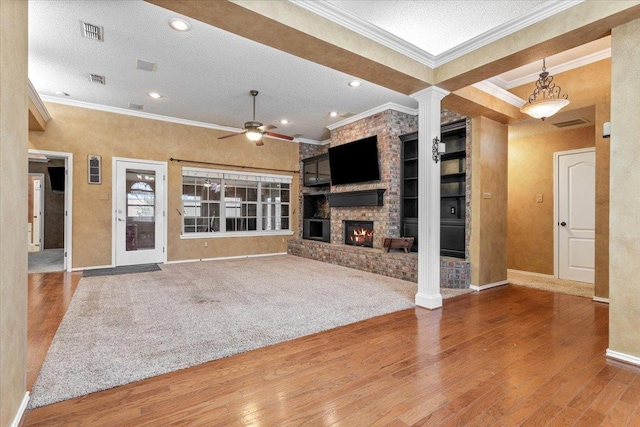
x: 355, y: 161
x: 56, y: 178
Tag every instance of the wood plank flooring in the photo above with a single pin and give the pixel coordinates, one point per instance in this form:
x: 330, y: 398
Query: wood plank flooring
x: 506, y: 356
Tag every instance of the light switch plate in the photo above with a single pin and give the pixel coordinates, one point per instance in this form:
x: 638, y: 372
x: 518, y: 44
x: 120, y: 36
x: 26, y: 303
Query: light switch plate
x: 538, y: 198
x: 486, y: 195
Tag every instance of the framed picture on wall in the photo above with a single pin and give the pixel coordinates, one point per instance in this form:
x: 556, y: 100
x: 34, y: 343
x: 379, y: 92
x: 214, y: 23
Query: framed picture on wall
x: 94, y: 169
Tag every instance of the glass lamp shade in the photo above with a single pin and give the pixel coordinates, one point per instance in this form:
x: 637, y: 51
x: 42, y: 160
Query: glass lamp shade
x: 544, y: 108
x: 253, y: 135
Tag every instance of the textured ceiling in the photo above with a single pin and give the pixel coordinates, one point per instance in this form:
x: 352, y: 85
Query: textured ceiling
x: 436, y: 26
x: 205, y: 74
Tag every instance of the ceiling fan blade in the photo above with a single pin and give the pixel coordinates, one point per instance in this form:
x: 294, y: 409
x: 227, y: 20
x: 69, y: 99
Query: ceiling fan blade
x: 230, y: 135
x: 279, y: 135
x: 267, y: 127
x: 259, y: 143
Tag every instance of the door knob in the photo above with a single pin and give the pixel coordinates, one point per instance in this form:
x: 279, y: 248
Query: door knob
x: 120, y: 219
x: 563, y: 223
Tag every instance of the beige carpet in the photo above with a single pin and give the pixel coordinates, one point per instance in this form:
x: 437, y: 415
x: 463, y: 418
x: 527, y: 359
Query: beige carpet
x: 123, y: 328
x: 569, y: 287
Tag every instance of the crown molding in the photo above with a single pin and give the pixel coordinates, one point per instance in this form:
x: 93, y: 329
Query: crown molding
x: 500, y: 93
x: 127, y: 112
x: 141, y: 114
x: 37, y: 101
x: 371, y: 112
x: 566, y: 66
x: 542, y: 12
x: 354, y: 23
x: 312, y: 141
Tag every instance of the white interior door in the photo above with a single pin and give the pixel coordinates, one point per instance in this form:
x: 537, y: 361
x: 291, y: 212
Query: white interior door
x: 139, y: 215
x: 37, y: 213
x: 576, y: 216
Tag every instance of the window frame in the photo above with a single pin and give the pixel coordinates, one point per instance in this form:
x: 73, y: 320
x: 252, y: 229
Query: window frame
x: 232, y: 175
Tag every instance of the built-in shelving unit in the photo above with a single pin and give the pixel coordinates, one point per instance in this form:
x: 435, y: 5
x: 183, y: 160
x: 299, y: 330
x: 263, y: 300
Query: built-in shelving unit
x: 453, y: 178
x: 316, y: 171
x: 409, y: 188
x: 452, y: 190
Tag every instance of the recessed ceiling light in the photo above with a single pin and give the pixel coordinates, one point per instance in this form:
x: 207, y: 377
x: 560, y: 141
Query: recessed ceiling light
x: 333, y: 114
x: 155, y: 95
x: 179, y: 24
x: 62, y: 93
x: 284, y: 121
x: 354, y: 83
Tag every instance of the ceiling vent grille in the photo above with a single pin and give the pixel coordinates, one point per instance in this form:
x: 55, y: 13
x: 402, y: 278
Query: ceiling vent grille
x: 92, y: 32
x: 133, y: 106
x: 574, y: 122
x: 96, y: 78
x: 145, y: 65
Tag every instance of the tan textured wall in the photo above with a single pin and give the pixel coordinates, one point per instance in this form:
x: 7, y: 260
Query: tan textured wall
x: 488, y: 215
x: 601, y: 285
x: 83, y: 132
x: 591, y: 86
x: 13, y: 206
x: 530, y: 224
x: 624, y: 247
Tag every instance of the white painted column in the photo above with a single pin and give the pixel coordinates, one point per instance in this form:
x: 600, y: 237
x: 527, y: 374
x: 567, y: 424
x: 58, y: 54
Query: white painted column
x: 428, y: 295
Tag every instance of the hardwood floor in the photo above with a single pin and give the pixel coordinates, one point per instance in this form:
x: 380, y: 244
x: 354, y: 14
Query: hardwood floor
x: 506, y: 356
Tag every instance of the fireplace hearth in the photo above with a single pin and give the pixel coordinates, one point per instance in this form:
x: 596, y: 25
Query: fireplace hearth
x: 358, y: 233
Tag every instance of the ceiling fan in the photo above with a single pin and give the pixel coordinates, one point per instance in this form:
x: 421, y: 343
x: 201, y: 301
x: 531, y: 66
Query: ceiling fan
x: 255, y: 130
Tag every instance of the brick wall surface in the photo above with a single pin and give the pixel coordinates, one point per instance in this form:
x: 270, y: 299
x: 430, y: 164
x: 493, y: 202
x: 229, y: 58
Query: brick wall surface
x: 388, y: 126
x: 393, y: 264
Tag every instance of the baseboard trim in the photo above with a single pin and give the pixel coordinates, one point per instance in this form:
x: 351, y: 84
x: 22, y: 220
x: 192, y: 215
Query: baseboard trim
x: 622, y: 357
x: 21, y: 409
x: 600, y: 299
x: 94, y: 267
x: 181, y: 261
x: 488, y: 285
x: 531, y: 273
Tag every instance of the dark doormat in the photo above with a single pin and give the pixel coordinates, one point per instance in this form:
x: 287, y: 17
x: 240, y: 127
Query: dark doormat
x: 125, y: 269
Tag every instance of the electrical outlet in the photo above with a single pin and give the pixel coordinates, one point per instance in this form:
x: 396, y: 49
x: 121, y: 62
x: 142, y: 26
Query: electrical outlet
x: 206, y: 244
x: 104, y: 196
x: 538, y: 198
x: 487, y: 195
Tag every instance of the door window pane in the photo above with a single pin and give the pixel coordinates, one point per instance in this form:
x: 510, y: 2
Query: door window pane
x: 141, y: 212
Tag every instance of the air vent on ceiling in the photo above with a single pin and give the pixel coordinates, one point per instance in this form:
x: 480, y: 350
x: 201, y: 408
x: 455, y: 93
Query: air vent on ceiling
x: 96, y: 78
x: 92, y: 32
x: 573, y: 122
x: 346, y: 115
x: 145, y: 65
x: 133, y: 106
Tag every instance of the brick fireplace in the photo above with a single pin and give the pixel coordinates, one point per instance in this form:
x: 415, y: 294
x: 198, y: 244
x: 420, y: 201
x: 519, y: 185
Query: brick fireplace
x: 382, y: 218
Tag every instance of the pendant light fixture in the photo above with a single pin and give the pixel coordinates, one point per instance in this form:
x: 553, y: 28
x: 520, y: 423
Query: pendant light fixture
x: 547, y: 97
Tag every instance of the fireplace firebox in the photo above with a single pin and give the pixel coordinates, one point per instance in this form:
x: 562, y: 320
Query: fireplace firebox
x: 358, y: 233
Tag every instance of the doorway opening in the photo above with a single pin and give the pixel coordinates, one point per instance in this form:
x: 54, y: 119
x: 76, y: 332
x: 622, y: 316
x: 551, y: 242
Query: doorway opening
x: 49, y: 207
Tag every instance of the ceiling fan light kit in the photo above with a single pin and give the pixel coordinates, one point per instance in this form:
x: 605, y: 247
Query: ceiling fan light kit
x: 255, y: 130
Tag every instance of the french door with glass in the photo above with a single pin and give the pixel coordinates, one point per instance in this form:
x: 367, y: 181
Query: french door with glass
x: 139, y: 214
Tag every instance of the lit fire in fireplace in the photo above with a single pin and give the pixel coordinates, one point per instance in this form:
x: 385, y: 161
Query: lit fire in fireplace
x: 361, y: 236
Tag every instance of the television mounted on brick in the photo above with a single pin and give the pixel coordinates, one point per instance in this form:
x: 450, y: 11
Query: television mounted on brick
x: 355, y: 161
